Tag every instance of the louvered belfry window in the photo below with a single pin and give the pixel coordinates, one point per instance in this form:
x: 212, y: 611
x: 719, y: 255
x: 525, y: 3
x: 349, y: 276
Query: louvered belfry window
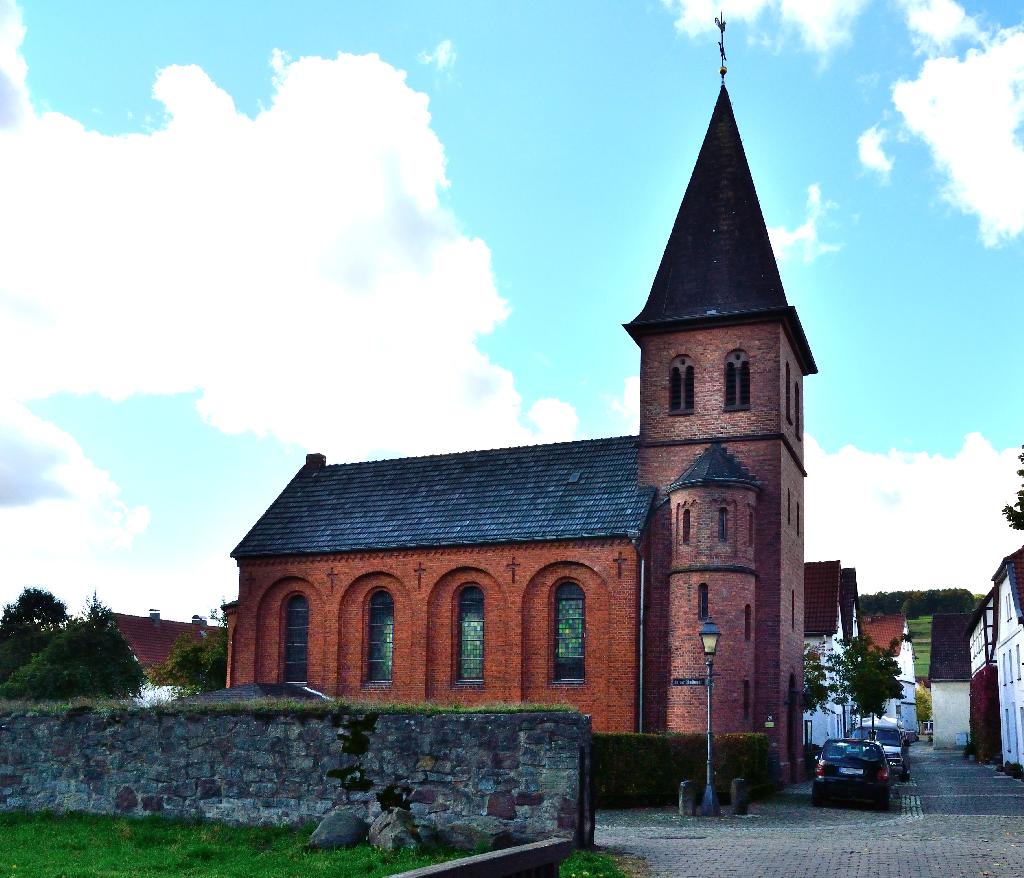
x: 681, y: 385
x: 380, y: 656
x: 570, y: 632
x: 296, y: 643
x: 471, y: 634
x: 737, y: 380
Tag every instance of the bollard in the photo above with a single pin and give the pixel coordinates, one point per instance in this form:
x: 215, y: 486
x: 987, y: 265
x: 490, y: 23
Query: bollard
x: 687, y: 798
x: 740, y: 796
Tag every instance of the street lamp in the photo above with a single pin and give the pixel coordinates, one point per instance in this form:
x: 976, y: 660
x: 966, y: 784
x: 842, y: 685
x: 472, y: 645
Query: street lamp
x: 709, y: 635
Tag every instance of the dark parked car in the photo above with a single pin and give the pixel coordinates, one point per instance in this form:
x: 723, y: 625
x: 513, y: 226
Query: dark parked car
x: 854, y: 770
x: 894, y: 743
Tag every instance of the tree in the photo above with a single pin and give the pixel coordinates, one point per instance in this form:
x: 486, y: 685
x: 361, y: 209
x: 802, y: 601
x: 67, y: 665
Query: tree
x: 865, y: 676
x: 27, y: 626
x: 196, y: 665
x: 816, y: 690
x: 924, y: 703
x: 1015, y: 513
x: 87, y: 657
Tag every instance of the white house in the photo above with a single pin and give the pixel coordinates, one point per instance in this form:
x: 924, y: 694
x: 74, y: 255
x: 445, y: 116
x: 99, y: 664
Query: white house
x: 1009, y: 641
x: 949, y: 675
x: 831, y: 606
x: 892, y: 633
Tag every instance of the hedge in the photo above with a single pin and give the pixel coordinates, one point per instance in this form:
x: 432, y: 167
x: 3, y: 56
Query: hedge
x: 632, y: 770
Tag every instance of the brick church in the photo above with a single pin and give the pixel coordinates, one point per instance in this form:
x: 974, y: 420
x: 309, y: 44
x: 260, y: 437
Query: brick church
x: 577, y: 572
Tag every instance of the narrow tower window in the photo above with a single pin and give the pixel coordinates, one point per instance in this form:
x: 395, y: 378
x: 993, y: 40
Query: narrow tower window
x: 471, y: 634
x: 723, y: 524
x: 380, y: 656
x: 570, y: 632
x: 702, y: 601
x: 789, y: 416
x: 296, y: 640
x: 681, y: 385
x: 686, y: 526
x: 747, y: 622
x: 737, y: 380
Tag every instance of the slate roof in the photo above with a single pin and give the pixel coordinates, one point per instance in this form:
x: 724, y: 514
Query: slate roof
x: 718, y: 264
x: 884, y: 629
x: 821, y: 597
x: 849, y: 599
x: 259, y: 690
x: 568, y: 490
x: 150, y: 641
x: 714, y: 465
x: 951, y: 655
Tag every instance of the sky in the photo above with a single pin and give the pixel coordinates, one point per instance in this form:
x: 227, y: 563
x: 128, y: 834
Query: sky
x: 235, y: 233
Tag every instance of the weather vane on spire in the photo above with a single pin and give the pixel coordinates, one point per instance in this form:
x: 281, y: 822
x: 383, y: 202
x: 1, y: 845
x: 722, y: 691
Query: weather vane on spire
x: 720, y: 22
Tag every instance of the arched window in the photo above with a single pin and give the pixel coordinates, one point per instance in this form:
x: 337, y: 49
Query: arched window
x: 686, y: 526
x: 789, y: 416
x: 471, y: 634
x: 723, y: 524
x: 747, y: 626
x: 702, y: 601
x: 681, y: 385
x: 380, y: 655
x: 570, y: 632
x: 296, y: 640
x: 737, y: 380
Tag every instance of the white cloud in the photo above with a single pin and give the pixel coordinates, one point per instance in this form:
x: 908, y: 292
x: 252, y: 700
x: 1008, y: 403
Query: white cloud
x: 909, y: 520
x: 13, y: 98
x: 628, y: 407
x: 441, y: 58
x: 556, y: 421
x: 821, y: 24
x: 870, y: 152
x: 804, y: 238
x: 936, y: 24
x: 970, y: 113
x: 57, y: 508
x: 298, y: 268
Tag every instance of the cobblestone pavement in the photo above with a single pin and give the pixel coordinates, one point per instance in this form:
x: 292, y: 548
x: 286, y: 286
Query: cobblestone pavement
x: 954, y: 820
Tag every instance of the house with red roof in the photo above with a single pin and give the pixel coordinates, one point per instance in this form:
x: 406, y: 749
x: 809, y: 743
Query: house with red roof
x: 831, y: 608
x: 151, y: 639
x: 891, y: 633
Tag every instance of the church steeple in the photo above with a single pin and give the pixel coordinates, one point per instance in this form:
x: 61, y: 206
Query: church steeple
x: 718, y: 265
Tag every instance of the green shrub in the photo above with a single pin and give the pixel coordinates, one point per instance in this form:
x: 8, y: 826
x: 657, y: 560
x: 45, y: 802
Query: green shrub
x: 632, y: 770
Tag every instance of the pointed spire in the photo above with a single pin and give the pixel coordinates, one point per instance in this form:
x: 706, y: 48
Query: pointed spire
x: 718, y: 264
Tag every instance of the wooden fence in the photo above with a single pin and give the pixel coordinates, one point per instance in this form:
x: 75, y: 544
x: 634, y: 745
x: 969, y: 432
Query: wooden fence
x: 538, y: 860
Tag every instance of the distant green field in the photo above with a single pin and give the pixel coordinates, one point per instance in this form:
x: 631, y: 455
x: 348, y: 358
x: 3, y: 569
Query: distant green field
x: 921, y: 632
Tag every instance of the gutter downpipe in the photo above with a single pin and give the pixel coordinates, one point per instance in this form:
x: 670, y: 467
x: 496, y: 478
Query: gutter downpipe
x: 640, y: 684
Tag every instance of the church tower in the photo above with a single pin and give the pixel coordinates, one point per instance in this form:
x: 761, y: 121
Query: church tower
x: 722, y: 361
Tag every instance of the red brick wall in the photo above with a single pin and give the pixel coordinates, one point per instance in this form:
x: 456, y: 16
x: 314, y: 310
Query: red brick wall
x: 768, y: 445
x: 518, y: 627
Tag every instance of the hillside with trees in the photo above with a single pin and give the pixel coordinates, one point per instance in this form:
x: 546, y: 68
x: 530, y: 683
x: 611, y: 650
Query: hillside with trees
x: 919, y: 602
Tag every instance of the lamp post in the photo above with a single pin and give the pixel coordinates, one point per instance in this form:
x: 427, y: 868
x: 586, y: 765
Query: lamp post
x: 709, y: 634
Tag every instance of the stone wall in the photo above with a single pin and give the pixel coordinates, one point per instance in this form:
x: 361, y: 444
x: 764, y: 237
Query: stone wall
x: 467, y: 774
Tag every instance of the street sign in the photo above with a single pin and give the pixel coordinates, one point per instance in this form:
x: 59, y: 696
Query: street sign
x: 689, y: 681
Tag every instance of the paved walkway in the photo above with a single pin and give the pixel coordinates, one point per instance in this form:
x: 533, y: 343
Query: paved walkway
x: 954, y: 820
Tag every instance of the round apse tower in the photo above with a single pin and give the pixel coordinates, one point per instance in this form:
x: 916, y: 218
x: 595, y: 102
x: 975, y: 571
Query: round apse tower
x: 714, y: 522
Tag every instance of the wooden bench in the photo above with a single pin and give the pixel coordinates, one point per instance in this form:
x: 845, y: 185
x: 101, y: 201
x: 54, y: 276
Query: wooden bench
x: 540, y: 859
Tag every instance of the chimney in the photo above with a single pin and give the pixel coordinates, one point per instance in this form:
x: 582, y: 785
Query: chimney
x: 154, y: 617
x: 198, y: 620
x: 315, y: 462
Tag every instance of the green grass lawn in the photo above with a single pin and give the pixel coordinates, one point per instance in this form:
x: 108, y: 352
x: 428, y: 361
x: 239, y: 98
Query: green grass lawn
x: 87, y: 846
x: 921, y: 632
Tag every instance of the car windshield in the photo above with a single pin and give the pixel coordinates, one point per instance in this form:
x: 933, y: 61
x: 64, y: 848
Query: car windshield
x: 864, y: 750
x: 889, y: 737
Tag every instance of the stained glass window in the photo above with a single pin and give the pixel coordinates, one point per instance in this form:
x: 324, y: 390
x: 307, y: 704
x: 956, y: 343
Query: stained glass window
x: 296, y: 640
x: 569, y: 632
x: 380, y: 657
x: 471, y: 633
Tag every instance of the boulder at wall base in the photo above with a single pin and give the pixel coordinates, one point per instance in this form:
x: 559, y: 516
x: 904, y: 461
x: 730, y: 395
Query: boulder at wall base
x: 339, y: 829
x: 394, y: 830
x: 480, y: 833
